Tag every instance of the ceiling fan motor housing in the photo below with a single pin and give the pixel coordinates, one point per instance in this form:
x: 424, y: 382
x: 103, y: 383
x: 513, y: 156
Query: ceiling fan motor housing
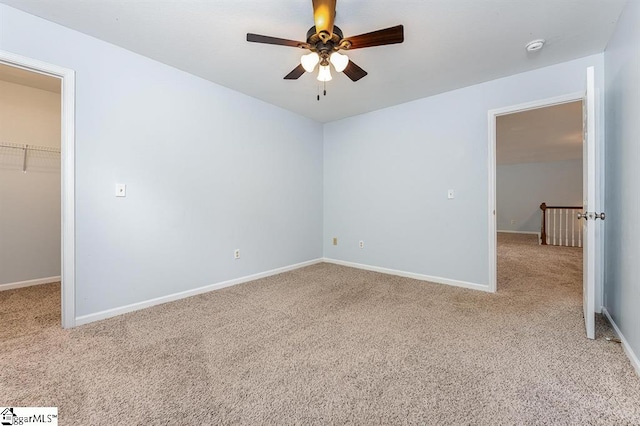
x: 324, y: 48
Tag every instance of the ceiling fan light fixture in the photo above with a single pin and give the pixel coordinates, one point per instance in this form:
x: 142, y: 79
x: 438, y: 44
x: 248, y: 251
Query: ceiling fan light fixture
x: 310, y: 61
x: 324, y: 74
x: 339, y: 61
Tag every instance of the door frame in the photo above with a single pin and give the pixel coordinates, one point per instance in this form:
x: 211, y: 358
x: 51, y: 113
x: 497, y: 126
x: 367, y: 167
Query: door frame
x: 493, y: 114
x: 67, y: 151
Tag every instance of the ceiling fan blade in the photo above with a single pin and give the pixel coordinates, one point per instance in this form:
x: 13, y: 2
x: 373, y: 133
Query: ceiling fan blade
x: 295, y: 74
x: 390, y: 35
x: 257, y: 38
x: 354, y: 72
x: 324, y: 13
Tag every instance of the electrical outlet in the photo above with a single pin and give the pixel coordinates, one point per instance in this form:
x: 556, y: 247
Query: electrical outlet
x: 361, y: 244
x: 335, y: 241
x: 236, y: 254
x: 513, y: 221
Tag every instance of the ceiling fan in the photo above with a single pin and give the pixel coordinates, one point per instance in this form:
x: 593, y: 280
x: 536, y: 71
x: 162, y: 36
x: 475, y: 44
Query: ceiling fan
x: 325, y: 40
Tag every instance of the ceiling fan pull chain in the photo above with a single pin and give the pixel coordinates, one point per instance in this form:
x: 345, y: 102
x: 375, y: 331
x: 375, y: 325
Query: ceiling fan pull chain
x: 318, y: 92
x: 324, y: 84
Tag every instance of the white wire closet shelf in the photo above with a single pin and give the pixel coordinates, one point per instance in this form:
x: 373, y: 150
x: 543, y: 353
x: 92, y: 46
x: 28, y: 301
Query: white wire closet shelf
x: 27, y: 148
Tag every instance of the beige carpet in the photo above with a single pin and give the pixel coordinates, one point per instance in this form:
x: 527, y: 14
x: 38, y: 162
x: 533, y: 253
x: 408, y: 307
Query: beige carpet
x: 331, y: 345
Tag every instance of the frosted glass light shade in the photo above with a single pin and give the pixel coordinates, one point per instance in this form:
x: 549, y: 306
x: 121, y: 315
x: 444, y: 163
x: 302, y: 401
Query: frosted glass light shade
x: 310, y: 61
x: 339, y: 61
x: 324, y: 74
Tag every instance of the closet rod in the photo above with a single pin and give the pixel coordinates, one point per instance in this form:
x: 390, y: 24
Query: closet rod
x: 30, y: 147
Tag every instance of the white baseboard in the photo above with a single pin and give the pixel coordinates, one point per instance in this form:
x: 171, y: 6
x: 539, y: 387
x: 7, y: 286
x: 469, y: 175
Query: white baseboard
x: 85, y: 319
x: 625, y: 344
x: 439, y: 280
x: 523, y: 232
x: 518, y: 232
x: 29, y: 283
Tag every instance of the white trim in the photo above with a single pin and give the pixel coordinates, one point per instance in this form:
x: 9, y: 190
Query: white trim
x: 600, y: 176
x: 438, y: 280
x: 68, y: 174
x: 633, y: 358
x: 519, y: 232
x: 492, y: 206
x: 522, y: 232
x: 85, y: 319
x: 590, y: 203
x: 29, y: 283
x: 542, y: 103
x: 492, y: 114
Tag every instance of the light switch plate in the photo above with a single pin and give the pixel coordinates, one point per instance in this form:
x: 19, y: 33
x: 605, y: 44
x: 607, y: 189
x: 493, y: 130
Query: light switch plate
x: 121, y: 190
x: 450, y: 194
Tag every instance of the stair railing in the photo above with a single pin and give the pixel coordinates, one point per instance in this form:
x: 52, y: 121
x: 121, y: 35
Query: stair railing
x: 560, y: 226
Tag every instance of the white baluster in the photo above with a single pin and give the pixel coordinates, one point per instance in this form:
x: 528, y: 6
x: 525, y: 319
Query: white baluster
x: 548, y: 219
x: 573, y: 231
x: 566, y: 227
x: 579, y: 234
x: 560, y: 230
x: 554, y: 227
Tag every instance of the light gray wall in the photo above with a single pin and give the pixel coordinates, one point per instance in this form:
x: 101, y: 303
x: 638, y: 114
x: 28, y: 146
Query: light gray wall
x: 207, y: 169
x: 622, y: 180
x: 29, y: 202
x: 520, y: 188
x: 386, y: 175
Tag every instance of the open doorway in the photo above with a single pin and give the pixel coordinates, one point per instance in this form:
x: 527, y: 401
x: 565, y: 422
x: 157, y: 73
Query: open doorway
x: 42, y: 169
x: 539, y: 174
x: 539, y: 191
x: 30, y: 199
x: 590, y: 197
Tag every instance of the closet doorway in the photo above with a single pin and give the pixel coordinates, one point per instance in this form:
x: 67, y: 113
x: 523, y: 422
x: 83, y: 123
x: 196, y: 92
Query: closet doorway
x: 36, y: 195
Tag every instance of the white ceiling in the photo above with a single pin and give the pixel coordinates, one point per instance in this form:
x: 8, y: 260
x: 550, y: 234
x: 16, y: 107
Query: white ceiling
x: 29, y: 78
x: 540, y: 135
x: 448, y: 43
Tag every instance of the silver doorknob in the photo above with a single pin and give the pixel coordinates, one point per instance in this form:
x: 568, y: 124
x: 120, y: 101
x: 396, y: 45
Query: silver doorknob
x: 582, y: 216
x: 600, y: 216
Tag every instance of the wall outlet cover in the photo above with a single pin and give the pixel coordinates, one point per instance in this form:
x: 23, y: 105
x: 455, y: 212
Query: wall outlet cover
x: 121, y: 190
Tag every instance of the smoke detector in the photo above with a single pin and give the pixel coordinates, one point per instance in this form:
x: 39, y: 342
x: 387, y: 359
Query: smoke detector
x: 535, y: 45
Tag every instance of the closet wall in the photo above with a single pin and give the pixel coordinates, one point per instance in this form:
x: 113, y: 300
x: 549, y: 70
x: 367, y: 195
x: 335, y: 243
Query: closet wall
x: 29, y: 202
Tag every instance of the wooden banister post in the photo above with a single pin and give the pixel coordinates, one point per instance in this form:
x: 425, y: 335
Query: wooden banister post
x: 543, y: 228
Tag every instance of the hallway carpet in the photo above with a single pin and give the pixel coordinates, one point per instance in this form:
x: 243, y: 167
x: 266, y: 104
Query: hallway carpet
x: 328, y: 344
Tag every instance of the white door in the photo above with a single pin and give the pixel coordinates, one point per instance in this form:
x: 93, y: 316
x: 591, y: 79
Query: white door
x: 589, y: 197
